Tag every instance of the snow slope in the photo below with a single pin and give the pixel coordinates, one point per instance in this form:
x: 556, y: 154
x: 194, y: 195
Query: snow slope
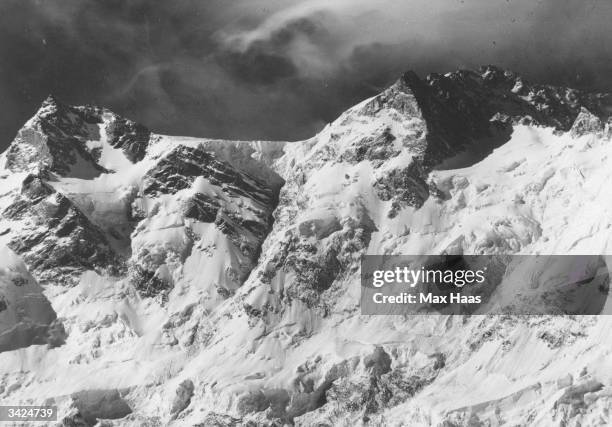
x: 207, y: 282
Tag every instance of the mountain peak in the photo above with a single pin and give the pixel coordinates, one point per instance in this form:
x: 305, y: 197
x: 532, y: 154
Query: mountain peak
x: 50, y: 106
x: 60, y: 136
x: 493, y: 71
x: 409, y: 79
x: 50, y: 100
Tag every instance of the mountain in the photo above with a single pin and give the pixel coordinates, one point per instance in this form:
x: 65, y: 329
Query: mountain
x: 165, y: 280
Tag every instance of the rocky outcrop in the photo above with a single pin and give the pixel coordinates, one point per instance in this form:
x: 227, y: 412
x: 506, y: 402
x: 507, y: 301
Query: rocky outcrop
x: 179, y: 169
x: 586, y: 123
x: 56, y: 240
x: 94, y: 405
x: 404, y: 187
x: 184, y: 393
x: 59, y: 139
x: 315, y: 257
x: 54, y: 140
x: 467, y: 111
x: 207, y: 190
x: 132, y: 138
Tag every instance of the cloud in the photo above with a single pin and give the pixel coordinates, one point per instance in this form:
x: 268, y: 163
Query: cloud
x: 319, y: 36
x: 536, y: 37
x: 276, y: 69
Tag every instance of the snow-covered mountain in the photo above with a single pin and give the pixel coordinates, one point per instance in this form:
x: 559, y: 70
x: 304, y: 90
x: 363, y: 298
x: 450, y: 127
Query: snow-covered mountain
x: 159, y: 280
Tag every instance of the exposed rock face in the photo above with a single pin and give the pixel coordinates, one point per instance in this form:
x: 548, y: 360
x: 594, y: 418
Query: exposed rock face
x: 237, y: 264
x: 315, y: 263
x: 201, y: 208
x: 405, y: 187
x: 464, y: 108
x: 132, y: 138
x: 54, y: 140
x: 93, y: 405
x: 184, y: 393
x: 56, y: 240
x: 469, y: 111
x: 57, y: 139
x: 586, y: 123
x: 477, y: 96
x: 206, y: 192
x: 466, y: 111
x: 179, y: 169
x: 608, y: 128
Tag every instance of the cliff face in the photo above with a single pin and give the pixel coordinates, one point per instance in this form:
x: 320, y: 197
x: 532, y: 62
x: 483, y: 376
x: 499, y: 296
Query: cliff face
x: 211, y: 282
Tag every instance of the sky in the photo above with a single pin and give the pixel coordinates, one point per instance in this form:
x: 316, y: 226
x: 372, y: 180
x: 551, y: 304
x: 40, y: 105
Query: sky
x: 277, y: 69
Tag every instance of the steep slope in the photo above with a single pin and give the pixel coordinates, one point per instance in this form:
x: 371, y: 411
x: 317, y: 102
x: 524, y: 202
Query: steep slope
x: 337, y: 205
x: 74, y: 141
x: 199, y: 216
x: 219, y: 281
x: 26, y: 316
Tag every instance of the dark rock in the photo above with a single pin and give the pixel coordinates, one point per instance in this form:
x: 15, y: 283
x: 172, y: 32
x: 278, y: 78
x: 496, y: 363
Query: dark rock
x: 440, y: 361
x: 302, y: 403
x: 219, y: 420
x: 379, y: 362
x: 74, y: 419
x: 398, y: 97
x: 251, y: 402
x: 177, y: 171
x: 468, y: 112
x: 56, y: 140
x: 319, y: 228
x: 100, y: 404
x: 63, y: 242
x: 342, y: 369
x: 19, y: 281
x: 56, y: 334
x: 184, y: 393
x: 283, y: 407
x: 372, y: 148
x: 586, y: 123
x: 316, y: 264
x: 131, y: 137
x: 146, y: 282
x: 405, y: 187
x: 279, y: 399
x: 574, y: 394
x: 201, y: 208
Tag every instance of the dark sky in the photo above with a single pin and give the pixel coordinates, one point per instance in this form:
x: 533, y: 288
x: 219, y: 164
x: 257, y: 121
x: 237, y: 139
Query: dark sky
x: 276, y: 69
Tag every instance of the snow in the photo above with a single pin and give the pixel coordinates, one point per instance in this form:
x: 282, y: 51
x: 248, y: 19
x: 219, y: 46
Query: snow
x: 541, y: 192
x: 111, y: 158
x: 23, y: 307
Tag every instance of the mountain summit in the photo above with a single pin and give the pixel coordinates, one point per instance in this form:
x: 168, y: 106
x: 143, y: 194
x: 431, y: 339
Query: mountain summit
x: 75, y: 141
x: 214, y: 282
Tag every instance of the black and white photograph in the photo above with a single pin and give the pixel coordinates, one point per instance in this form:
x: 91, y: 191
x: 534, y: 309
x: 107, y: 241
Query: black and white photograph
x: 315, y: 213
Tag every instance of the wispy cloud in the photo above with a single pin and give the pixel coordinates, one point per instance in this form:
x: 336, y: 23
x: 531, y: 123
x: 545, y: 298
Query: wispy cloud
x: 277, y: 69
